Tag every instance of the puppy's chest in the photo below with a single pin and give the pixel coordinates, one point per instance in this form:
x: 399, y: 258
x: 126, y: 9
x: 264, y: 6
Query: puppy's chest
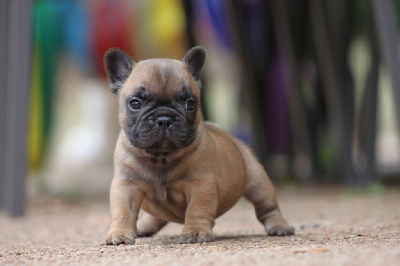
x: 166, y: 194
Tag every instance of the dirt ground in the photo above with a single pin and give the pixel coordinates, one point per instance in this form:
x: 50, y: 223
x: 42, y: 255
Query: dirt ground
x: 332, y: 228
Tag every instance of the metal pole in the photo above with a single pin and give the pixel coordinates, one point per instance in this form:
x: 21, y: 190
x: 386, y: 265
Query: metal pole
x: 17, y: 100
x: 3, y: 91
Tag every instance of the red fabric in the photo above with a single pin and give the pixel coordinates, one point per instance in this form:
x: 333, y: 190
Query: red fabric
x: 110, y: 22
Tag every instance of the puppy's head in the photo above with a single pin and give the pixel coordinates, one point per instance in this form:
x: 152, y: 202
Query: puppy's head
x: 159, y: 98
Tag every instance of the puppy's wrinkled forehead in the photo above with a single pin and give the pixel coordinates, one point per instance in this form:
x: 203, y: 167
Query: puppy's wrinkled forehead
x: 162, y: 77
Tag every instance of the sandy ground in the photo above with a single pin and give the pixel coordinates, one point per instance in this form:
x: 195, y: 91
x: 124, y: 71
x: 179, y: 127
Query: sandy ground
x: 332, y: 228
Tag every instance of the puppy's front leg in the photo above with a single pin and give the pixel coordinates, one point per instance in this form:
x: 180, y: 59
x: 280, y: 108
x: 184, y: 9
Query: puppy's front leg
x: 200, y: 213
x: 125, y: 201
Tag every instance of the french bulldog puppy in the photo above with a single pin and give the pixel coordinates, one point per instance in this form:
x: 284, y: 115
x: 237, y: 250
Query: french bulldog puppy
x: 172, y: 164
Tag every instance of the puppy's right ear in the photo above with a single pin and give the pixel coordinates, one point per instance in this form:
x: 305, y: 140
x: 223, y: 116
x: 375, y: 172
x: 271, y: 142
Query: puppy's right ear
x: 194, y: 60
x: 118, y: 65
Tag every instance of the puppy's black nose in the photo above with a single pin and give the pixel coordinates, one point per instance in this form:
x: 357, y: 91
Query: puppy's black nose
x: 164, y: 121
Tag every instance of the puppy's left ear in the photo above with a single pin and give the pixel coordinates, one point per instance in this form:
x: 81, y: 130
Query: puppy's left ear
x: 118, y: 65
x: 194, y: 60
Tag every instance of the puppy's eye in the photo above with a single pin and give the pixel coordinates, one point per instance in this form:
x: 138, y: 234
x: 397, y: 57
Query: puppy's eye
x: 135, y: 104
x: 190, y: 105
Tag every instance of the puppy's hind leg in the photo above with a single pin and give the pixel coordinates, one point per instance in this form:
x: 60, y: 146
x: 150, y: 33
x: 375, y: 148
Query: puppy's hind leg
x: 261, y: 193
x: 149, y: 225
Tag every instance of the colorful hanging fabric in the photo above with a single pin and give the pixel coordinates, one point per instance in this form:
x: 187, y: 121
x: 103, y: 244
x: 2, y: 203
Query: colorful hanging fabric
x: 36, y: 121
x: 76, y: 32
x: 218, y: 11
x: 167, y: 24
x: 110, y: 22
x: 46, y: 30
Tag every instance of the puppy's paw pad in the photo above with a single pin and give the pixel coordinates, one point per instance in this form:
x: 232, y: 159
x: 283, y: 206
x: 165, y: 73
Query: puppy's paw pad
x: 280, y: 230
x: 118, y: 240
x: 196, y: 237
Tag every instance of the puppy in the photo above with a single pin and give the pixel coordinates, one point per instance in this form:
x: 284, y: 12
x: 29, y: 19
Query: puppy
x: 172, y: 164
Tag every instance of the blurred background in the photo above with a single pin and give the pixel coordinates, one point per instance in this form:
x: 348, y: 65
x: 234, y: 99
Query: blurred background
x: 313, y: 86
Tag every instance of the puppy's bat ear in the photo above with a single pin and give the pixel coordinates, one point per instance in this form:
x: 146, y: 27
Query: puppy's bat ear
x: 194, y: 60
x: 118, y: 65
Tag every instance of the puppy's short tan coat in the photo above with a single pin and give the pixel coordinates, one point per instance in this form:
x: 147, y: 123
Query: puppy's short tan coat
x: 172, y: 164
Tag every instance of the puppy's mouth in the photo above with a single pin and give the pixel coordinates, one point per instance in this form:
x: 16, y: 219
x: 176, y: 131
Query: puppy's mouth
x: 156, y: 142
x: 162, y: 147
x: 156, y: 154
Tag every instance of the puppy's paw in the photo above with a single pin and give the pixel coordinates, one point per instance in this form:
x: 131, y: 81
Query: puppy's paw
x: 280, y: 230
x: 118, y: 239
x: 276, y: 225
x: 196, y: 236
